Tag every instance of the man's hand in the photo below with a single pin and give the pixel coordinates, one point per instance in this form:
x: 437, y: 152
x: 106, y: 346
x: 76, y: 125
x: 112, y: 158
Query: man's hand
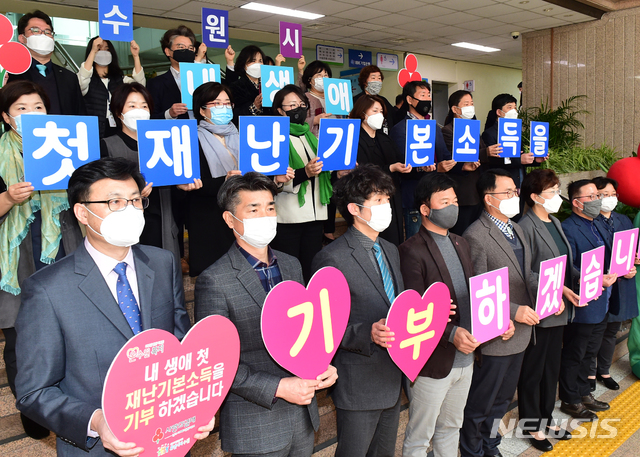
x: 399, y: 167
x: 328, y: 378
x: 452, y: 310
x: 464, y: 341
x: 570, y: 295
x: 470, y: 166
x: 178, y: 109
x: 283, y: 179
x: 147, y: 190
x: 381, y: 334
x: 428, y: 168
x: 109, y: 441
x: 631, y: 273
x: 297, y: 391
x: 494, y: 150
x: 19, y: 192
x: 446, y: 165
x: 205, y: 429
x: 608, y: 280
x: 510, y: 331
x: 527, y: 158
x: 202, y: 52
x: 231, y: 173
x: 527, y: 316
x: 195, y: 185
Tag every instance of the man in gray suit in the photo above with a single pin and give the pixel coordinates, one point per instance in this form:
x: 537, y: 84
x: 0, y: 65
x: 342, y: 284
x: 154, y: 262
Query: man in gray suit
x: 495, y: 242
x: 269, y: 412
x: 74, y: 319
x: 367, y: 395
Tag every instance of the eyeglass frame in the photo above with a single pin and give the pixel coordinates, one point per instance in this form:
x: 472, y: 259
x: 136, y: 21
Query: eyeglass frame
x: 180, y: 47
x: 597, y: 197
x: 514, y: 193
x: 297, y: 105
x: 50, y: 33
x: 555, y: 192
x: 222, y: 105
x: 144, y: 200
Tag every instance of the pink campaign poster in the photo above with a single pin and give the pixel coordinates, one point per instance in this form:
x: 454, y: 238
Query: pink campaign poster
x: 591, y: 271
x: 623, y: 254
x: 490, y: 310
x: 418, y: 323
x: 302, y: 327
x: 158, y: 391
x: 550, y: 286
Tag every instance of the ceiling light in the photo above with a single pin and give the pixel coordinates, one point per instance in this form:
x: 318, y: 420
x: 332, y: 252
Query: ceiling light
x: 475, y: 47
x: 282, y: 11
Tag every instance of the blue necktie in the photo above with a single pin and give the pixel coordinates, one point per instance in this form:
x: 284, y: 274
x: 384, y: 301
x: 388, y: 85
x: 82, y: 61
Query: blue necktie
x: 42, y: 69
x: 386, y: 275
x: 126, y: 300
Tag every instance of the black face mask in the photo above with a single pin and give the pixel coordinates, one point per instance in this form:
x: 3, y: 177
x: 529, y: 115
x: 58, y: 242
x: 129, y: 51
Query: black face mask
x: 297, y: 115
x: 423, y: 107
x: 184, y: 55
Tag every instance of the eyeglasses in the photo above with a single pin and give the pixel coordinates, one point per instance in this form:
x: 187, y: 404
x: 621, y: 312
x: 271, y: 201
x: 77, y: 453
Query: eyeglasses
x: 608, y: 195
x: 119, y: 204
x: 295, y: 105
x: 551, y: 191
x: 591, y: 197
x: 508, y: 193
x: 219, y: 105
x: 181, y: 47
x: 38, y: 31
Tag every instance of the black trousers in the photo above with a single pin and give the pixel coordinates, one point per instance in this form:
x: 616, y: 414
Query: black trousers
x: 492, y: 388
x: 602, y: 363
x: 581, y: 344
x: 303, y: 241
x: 539, y: 377
x: 9, y: 355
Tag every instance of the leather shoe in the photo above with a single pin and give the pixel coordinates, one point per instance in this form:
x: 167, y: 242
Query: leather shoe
x: 594, y: 405
x: 578, y: 411
x: 592, y: 385
x: 561, y: 434
x: 609, y: 383
x: 543, y: 445
x: 33, y: 429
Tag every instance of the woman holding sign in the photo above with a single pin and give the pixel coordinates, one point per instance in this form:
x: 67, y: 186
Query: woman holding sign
x: 541, y: 364
x: 36, y: 228
x: 302, y: 202
x: 313, y: 81
x: 246, y: 89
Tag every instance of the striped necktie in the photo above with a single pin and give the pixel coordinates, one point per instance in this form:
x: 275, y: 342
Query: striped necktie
x: 126, y: 299
x: 386, y: 274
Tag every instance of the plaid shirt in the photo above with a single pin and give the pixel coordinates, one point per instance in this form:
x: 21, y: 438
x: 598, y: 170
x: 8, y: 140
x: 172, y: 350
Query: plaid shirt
x: 253, y: 109
x: 269, y: 274
x: 505, y: 227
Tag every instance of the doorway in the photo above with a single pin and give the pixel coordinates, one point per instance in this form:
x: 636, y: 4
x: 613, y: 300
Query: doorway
x: 440, y: 101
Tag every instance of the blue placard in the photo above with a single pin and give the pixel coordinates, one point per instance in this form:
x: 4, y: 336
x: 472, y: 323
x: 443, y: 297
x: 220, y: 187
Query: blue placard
x: 337, y: 96
x: 466, y: 140
x: 115, y: 18
x: 539, y: 143
x: 420, y: 146
x: 215, y: 28
x: 509, y: 137
x: 54, y: 146
x: 168, y: 151
x: 338, y: 143
x: 264, y: 144
x: 272, y: 79
x: 358, y: 58
x: 193, y: 75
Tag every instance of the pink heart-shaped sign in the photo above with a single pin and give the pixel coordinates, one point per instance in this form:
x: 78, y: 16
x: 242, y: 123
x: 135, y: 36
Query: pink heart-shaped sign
x: 418, y: 323
x: 302, y: 327
x: 158, y: 391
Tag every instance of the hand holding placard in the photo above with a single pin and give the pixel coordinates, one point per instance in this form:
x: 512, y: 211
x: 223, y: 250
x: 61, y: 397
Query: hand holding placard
x: 623, y: 251
x: 550, y: 286
x: 490, y: 307
x: 591, y: 275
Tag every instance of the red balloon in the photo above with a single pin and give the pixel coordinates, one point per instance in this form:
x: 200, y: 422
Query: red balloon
x: 15, y: 57
x: 6, y: 29
x: 411, y: 63
x: 626, y: 172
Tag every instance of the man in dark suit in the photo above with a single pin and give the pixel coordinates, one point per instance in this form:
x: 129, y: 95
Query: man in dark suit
x: 583, y: 335
x: 71, y: 324
x: 367, y: 395
x: 434, y: 254
x: 497, y: 242
x: 269, y: 411
x: 35, y: 31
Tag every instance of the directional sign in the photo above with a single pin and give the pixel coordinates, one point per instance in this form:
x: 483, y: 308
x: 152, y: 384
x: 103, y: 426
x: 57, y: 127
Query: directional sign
x: 330, y: 54
x: 387, y: 61
x: 359, y: 58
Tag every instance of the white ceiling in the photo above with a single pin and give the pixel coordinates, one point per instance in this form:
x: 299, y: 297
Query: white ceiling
x: 431, y: 25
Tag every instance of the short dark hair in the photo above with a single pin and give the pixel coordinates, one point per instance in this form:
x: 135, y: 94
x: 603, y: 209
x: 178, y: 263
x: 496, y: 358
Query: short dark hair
x: 182, y: 30
x: 253, y: 181
x: 487, y: 181
x: 602, y: 181
x: 357, y: 186
x: 399, y: 99
x: 119, y: 99
x: 575, y: 186
x: 286, y: 90
x: 10, y: 94
x: 247, y: 54
x: 498, y: 103
x: 37, y: 14
x: 410, y: 89
x: 364, y: 103
x: 206, y: 93
x: 535, y: 182
x: 313, y: 69
x: 113, y: 70
x: 429, y: 184
x: 117, y: 168
x: 454, y: 100
x: 366, y: 72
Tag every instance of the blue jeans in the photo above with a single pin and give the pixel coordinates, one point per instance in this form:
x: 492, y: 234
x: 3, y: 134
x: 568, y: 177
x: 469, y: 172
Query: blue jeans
x: 412, y: 222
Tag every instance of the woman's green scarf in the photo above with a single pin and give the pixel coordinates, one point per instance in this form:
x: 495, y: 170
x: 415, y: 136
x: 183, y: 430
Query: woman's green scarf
x: 16, y: 225
x: 326, y: 189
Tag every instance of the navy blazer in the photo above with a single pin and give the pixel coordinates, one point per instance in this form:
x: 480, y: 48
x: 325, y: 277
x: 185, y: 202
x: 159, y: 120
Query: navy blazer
x: 164, y: 92
x: 581, y: 240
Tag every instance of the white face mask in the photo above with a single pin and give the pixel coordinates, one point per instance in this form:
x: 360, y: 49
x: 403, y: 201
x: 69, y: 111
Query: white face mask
x: 131, y: 118
x: 318, y: 84
x: 609, y: 204
x: 103, y: 58
x: 467, y: 112
x: 41, y: 44
x: 509, y: 207
x: 254, y: 70
x: 121, y: 228
x: 380, y: 216
x: 375, y: 121
x: 511, y: 114
x: 551, y: 205
x: 258, y: 231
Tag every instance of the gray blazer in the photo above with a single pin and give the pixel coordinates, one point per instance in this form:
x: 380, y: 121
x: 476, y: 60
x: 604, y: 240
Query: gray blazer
x: 368, y: 378
x: 250, y: 421
x: 70, y: 328
x: 544, y: 248
x: 491, y: 251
